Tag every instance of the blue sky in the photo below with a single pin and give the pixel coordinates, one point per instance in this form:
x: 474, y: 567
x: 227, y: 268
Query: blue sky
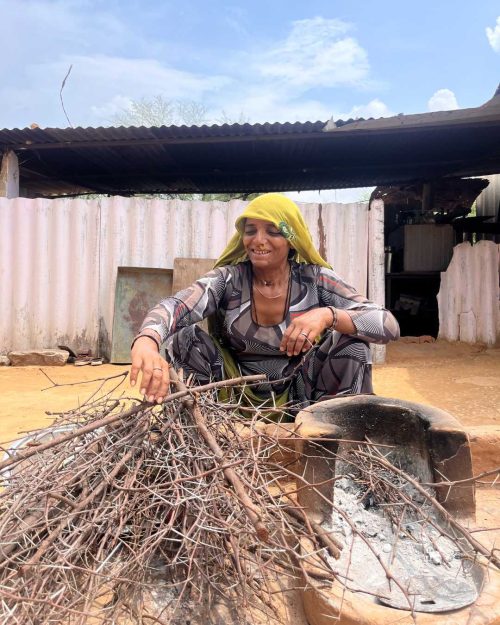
x: 270, y: 61
x: 263, y: 61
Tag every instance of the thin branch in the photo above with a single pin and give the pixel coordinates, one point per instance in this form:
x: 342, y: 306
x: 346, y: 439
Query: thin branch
x: 61, y: 97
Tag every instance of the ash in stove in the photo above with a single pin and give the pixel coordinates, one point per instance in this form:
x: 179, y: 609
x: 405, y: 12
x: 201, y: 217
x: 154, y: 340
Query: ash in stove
x: 380, y: 527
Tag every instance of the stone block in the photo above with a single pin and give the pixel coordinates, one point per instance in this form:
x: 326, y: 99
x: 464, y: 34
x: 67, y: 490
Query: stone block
x: 45, y: 357
x: 4, y: 361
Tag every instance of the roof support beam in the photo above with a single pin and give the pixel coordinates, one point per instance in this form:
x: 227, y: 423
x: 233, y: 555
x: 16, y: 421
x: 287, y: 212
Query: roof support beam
x: 9, y: 175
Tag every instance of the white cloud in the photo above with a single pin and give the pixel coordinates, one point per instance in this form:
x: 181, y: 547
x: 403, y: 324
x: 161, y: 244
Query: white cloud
x: 316, y: 53
x: 106, y: 111
x: 235, y: 17
x: 443, y: 100
x: 375, y: 108
x: 493, y: 35
x: 263, y: 105
x: 144, y: 76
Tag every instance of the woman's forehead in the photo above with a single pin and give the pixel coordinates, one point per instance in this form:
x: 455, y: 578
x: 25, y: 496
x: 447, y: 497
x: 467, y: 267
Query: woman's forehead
x: 249, y: 221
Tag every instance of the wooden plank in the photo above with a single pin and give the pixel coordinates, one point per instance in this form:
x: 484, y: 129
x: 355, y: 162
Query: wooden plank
x: 9, y: 175
x: 188, y: 270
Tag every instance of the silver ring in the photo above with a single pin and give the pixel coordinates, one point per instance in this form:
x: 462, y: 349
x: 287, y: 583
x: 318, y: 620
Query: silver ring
x: 303, y: 334
x: 157, y: 369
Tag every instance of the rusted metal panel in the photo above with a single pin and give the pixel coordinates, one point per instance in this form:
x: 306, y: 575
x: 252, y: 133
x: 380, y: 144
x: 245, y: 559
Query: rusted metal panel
x: 59, y: 258
x: 137, y: 290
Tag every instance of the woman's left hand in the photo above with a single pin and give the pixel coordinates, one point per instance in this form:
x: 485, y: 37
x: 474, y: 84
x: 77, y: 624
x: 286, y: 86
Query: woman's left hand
x: 302, y: 332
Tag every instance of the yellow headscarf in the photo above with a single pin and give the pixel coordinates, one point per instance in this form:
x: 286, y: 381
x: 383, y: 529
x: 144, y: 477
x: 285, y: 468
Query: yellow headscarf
x: 286, y: 216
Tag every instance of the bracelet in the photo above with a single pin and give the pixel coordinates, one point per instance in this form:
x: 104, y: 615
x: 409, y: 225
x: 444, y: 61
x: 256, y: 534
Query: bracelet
x: 335, y: 318
x: 140, y: 336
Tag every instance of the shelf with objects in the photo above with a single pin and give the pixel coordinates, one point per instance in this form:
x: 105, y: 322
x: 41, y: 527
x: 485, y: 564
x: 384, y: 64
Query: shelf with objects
x: 419, y: 236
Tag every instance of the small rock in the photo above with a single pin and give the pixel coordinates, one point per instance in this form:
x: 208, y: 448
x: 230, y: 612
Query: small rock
x: 4, y: 361
x: 425, y: 338
x: 435, y: 557
x: 382, y: 536
x: 386, y: 548
x: 46, y: 357
x: 371, y: 532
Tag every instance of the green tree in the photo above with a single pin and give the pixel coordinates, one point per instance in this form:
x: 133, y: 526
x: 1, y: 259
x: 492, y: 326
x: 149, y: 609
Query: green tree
x: 160, y: 111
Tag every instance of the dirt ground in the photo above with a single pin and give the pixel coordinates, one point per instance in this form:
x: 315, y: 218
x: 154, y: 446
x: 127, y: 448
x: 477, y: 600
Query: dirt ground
x: 461, y: 379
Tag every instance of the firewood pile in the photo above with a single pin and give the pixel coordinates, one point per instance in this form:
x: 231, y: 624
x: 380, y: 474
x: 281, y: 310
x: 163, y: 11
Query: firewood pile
x: 124, y: 492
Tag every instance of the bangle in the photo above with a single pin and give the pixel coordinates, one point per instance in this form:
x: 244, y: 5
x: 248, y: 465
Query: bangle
x: 140, y: 336
x: 335, y: 318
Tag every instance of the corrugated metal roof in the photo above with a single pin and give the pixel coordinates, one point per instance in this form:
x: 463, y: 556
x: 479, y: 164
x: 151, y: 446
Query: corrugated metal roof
x: 244, y: 158
x: 28, y: 136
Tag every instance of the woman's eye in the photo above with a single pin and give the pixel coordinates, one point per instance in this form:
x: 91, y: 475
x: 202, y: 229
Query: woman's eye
x: 274, y: 233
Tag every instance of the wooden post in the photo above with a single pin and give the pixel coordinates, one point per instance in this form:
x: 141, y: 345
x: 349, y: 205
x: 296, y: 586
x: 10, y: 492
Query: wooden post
x: 9, y: 175
x: 376, y: 265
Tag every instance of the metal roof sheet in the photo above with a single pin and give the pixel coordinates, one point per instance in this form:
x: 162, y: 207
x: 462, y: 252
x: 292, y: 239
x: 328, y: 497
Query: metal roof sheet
x: 245, y: 158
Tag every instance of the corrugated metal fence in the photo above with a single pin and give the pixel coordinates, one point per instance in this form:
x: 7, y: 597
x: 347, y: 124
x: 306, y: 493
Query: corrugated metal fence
x: 59, y: 258
x: 469, y: 305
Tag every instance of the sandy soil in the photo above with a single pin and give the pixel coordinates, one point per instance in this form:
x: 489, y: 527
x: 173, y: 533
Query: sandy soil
x: 462, y: 379
x: 459, y: 378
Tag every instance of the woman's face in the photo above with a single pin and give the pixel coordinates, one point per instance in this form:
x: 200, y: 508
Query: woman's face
x: 265, y: 245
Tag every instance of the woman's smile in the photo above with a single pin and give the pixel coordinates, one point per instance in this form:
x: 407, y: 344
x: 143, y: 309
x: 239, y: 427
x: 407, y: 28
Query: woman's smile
x: 261, y: 252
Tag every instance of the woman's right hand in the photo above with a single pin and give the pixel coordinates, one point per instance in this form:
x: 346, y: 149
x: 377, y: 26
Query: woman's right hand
x: 153, y: 368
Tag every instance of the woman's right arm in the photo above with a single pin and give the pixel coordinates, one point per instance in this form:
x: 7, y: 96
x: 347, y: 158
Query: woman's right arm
x: 185, y: 308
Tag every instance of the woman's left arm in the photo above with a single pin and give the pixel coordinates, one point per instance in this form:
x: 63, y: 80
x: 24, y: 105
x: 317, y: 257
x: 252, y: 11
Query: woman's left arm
x: 356, y: 314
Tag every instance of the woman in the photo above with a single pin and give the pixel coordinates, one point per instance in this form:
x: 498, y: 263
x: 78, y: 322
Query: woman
x: 275, y: 307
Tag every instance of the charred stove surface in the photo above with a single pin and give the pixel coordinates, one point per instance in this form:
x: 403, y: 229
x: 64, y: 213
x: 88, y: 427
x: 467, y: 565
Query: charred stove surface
x: 423, y: 441
x: 433, y: 567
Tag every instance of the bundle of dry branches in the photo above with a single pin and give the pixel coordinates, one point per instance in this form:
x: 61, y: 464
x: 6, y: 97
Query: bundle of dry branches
x: 128, y: 488
x: 125, y: 492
